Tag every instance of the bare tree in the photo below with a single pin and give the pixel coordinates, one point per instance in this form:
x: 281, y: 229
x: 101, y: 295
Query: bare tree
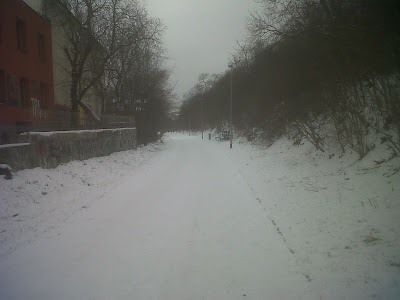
x: 137, y: 80
x: 95, y: 30
x: 128, y: 72
x: 312, y: 66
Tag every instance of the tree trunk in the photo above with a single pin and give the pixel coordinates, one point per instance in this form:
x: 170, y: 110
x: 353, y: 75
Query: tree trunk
x: 75, y: 107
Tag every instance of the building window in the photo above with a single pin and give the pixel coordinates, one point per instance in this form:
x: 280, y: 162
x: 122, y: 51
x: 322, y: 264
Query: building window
x: 2, y: 87
x: 41, y: 46
x: 12, y: 90
x: 21, y: 35
x: 43, y: 95
x: 23, y: 88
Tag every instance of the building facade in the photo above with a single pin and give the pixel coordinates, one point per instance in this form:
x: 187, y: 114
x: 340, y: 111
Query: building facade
x: 53, y: 10
x: 92, y: 100
x: 26, y: 68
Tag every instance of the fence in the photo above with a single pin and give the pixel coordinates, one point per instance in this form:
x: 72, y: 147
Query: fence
x: 117, y: 121
x: 59, y: 120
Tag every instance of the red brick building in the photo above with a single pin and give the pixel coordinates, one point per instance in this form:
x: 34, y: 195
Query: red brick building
x: 26, y: 69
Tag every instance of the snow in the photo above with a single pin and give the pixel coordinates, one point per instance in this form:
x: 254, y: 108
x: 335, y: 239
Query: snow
x: 13, y: 145
x: 38, y: 201
x: 340, y: 216
x: 5, y: 167
x: 49, y: 133
x: 191, y: 219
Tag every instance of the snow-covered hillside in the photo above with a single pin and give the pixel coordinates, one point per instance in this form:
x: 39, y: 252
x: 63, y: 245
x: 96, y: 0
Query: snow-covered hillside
x: 339, y: 216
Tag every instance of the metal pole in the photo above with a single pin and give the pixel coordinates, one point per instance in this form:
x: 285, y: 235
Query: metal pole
x: 189, y: 124
x: 202, y: 120
x: 231, y: 133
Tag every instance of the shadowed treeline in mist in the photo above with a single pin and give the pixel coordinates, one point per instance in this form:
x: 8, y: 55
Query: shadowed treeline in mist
x: 306, y: 68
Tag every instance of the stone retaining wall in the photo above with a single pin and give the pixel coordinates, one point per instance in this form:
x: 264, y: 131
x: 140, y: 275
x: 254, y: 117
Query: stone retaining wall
x: 49, y: 149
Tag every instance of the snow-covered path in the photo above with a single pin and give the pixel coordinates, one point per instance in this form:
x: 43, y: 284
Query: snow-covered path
x: 184, y: 225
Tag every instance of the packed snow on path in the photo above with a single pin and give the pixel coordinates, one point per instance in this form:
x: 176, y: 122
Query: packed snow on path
x: 191, y: 219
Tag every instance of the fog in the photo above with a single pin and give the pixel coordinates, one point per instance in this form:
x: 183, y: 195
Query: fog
x: 200, y: 35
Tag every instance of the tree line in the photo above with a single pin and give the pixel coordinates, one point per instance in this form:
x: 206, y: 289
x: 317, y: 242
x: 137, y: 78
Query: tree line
x: 308, y: 68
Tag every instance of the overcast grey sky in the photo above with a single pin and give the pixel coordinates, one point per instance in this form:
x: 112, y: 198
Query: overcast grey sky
x: 200, y: 35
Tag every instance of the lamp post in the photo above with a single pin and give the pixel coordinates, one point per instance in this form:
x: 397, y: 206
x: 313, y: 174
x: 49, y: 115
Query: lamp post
x: 231, y: 129
x: 202, y: 120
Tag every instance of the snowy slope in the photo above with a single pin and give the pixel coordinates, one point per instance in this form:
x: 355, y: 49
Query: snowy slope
x: 36, y: 202
x: 339, y: 216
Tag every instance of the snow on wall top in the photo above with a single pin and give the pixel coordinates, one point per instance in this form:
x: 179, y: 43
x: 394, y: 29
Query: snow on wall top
x: 49, y: 133
x: 14, y: 145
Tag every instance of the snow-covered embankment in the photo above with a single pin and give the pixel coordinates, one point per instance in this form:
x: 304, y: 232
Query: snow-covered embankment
x: 340, y: 216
